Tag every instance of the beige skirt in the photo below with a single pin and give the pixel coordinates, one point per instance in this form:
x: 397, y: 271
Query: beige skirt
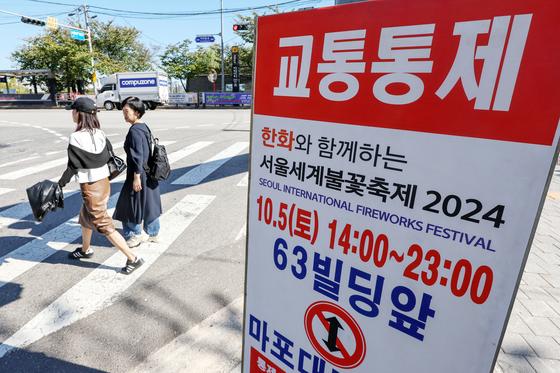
x: 93, y: 214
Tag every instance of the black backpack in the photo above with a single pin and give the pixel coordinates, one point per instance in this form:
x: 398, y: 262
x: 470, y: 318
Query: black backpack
x: 158, y: 167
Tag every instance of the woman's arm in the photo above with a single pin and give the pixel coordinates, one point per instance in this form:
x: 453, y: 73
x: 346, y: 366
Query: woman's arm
x: 137, y: 158
x: 66, y: 177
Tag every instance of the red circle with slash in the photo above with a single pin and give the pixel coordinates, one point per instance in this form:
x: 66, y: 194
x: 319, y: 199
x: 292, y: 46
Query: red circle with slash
x: 348, y: 359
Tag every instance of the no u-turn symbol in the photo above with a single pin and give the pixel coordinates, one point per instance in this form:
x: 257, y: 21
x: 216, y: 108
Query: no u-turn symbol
x: 335, y: 335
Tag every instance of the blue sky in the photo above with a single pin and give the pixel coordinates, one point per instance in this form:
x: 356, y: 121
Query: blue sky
x: 155, y: 32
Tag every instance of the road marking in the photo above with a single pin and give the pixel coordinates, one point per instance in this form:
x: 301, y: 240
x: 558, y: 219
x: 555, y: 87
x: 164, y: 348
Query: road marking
x: 42, y: 167
x: 19, y: 142
x: 205, y: 125
x: 214, y: 345
x: 19, y: 161
x: 241, y: 233
x: 199, y: 173
x: 183, y: 127
x: 104, y: 285
x: 186, y: 151
x: 56, y: 152
x: 25, y: 257
x: 19, y: 211
x: 112, y: 134
x: 5, y: 190
x: 244, y: 181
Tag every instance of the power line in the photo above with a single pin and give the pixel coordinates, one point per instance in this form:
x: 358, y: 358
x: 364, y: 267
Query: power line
x: 160, y: 15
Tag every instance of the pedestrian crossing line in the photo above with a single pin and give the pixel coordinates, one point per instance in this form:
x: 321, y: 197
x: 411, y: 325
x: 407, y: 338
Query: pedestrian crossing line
x: 104, y: 285
x: 25, y: 257
x: 42, y: 167
x: 19, y: 142
x: 5, y: 190
x: 19, y: 211
x: 244, y: 181
x: 214, y: 345
x: 18, y: 161
x: 241, y: 233
x: 185, y: 152
x: 201, y: 172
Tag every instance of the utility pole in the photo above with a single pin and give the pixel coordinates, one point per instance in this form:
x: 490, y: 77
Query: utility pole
x: 86, y: 16
x: 222, y: 39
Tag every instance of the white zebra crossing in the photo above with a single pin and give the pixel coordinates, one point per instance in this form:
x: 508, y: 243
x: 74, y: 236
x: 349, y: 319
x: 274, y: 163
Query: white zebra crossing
x: 18, y: 161
x: 21, y: 210
x: 104, y: 285
x: 14, y: 175
x: 244, y: 181
x: 24, y: 258
x: 5, y: 190
x: 199, y: 173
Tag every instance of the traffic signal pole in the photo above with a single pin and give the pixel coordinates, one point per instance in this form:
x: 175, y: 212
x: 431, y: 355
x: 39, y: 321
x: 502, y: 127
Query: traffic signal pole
x: 40, y: 22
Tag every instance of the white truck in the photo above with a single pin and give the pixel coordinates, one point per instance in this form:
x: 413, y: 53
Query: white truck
x: 149, y: 86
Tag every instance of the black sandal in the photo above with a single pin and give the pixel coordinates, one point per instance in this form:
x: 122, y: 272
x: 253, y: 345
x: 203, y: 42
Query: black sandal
x: 132, y: 266
x: 79, y: 254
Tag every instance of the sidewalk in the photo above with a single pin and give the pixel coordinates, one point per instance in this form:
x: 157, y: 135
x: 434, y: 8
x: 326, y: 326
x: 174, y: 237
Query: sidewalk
x: 532, y: 339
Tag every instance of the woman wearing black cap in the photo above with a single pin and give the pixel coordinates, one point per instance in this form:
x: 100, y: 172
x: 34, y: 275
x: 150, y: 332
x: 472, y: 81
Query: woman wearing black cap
x: 88, y: 154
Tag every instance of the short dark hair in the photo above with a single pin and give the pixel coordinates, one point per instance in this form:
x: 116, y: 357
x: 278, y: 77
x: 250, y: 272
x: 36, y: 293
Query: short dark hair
x: 87, y: 121
x: 135, y: 104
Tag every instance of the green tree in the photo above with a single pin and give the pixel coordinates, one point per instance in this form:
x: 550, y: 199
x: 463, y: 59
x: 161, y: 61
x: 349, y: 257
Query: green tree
x: 116, y: 48
x: 181, y: 63
x: 55, y: 50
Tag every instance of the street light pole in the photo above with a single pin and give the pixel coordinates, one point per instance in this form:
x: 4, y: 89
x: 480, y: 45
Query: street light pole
x: 222, y: 39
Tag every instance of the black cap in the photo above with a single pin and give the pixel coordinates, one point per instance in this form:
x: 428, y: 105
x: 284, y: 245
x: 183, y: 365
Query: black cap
x: 83, y: 104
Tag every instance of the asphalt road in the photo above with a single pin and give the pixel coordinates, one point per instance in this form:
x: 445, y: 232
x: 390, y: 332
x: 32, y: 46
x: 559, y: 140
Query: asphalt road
x: 58, y: 315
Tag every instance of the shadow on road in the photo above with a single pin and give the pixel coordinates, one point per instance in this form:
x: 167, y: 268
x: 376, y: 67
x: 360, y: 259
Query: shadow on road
x: 25, y: 361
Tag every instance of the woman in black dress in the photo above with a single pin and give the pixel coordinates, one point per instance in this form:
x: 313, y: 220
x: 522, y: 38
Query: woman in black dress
x: 139, y: 204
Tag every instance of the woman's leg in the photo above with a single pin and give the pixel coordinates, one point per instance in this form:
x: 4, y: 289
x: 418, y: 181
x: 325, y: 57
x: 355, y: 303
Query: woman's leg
x: 86, y: 238
x: 118, y: 241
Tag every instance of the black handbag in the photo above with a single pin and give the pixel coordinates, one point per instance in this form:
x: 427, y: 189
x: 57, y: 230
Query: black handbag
x: 116, y: 164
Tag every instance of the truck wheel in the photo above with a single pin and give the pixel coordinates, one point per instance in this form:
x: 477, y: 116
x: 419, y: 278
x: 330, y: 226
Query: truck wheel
x: 153, y: 105
x: 146, y: 106
x: 108, y: 105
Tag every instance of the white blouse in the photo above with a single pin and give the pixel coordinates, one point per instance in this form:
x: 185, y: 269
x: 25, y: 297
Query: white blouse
x: 92, y: 143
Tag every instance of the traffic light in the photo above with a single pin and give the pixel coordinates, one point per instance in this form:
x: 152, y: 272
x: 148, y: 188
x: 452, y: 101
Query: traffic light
x: 33, y: 21
x: 239, y: 27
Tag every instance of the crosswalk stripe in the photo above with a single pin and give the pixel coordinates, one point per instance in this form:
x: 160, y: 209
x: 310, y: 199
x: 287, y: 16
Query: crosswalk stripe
x: 244, y: 181
x: 21, y: 210
x: 199, y: 173
x: 185, y: 152
x: 104, y: 285
x: 41, y: 167
x: 214, y: 345
x: 241, y: 233
x: 5, y: 190
x: 19, y: 161
x: 22, y: 259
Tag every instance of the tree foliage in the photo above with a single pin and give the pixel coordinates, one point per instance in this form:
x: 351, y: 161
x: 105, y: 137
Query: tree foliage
x: 116, y: 48
x: 182, y: 63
